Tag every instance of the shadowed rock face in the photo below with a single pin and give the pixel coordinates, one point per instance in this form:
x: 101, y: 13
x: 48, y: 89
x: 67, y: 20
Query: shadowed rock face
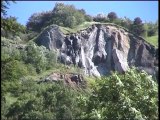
x: 100, y: 49
x: 51, y: 38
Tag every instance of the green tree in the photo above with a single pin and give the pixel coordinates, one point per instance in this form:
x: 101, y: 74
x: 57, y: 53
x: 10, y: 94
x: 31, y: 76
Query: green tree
x: 100, y: 18
x: 63, y: 15
x: 70, y: 21
x: 13, y: 69
x: 126, y: 22
x: 10, y: 25
x: 37, y: 21
x: 130, y: 96
x: 45, y: 102
x: 112, y: 16
x: 138, y: 27
x: 51, y: 59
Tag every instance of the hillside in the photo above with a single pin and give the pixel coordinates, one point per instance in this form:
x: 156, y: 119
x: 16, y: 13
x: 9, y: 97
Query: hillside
x: 29, y: 71
x: 67, y: 65
x: 153, y: 40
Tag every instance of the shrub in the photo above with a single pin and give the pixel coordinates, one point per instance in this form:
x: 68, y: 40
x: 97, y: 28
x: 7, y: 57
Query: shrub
x: 13, y: 70
x: 35, y: 55
x: 100, y: 18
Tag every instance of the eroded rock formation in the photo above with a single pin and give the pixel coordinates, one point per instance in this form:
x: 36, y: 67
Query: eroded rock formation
x: 100, y: 49
x: 73, y: 80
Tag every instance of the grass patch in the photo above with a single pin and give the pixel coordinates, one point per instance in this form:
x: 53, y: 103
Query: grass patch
x: 153, y: 40
x: 67, y: 30
x: 85, y: 25
x: 60, y: 68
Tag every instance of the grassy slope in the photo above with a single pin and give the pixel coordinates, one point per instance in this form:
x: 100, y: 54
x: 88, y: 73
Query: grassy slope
x: 67, y: 30
x: 83, y: 26
x: 153, y: 40
x: 60, y: 68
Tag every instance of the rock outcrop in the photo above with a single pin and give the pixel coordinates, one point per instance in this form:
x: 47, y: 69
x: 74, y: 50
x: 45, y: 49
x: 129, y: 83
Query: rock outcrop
x: 100, y: 49
x: 73, y: 80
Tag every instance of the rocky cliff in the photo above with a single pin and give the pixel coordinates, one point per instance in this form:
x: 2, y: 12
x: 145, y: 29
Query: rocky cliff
x: 100, y: 49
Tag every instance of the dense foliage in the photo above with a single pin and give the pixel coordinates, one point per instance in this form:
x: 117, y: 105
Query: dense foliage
x: 45, y: 102
x: 37, y: 20
x: 138, y: 27
x: 133, y: 95
x: 10, y: 27
x: 130, y: 96
x: 63, y: 15
x: 31, y: 54
x: 100, y: 18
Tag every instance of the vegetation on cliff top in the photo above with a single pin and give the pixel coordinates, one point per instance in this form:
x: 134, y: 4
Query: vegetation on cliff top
x: 72, y: 20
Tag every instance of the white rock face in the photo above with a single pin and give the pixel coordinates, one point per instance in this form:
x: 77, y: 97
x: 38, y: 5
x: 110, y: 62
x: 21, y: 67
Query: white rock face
x: 100, y: 49
x: 120, y: 61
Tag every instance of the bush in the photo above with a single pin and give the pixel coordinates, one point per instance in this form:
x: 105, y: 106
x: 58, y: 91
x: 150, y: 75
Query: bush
x: 35, y: 55
x: 88, y: 18
x: 39, y: 57
x: 126, y: 22
x: 100, y: 18
x: 70, y: 21
x: 51, y: 59
x: 13, y: 70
